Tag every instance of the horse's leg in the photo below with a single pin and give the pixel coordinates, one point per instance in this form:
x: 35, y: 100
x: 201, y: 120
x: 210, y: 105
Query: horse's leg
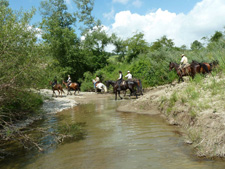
x: 116, y: 95
x: 130, y: 93
x: 53, y: 92
x: 119, y: 94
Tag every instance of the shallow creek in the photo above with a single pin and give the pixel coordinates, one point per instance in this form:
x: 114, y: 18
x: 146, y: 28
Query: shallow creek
x: 115, y: 140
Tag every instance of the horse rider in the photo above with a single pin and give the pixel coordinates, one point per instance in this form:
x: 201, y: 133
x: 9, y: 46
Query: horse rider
x: 96, y: 81
x: 69, y: 81
x: 54, y: 82
x: 183, y: 62
x: 129, y: 75
x: 120, y: 79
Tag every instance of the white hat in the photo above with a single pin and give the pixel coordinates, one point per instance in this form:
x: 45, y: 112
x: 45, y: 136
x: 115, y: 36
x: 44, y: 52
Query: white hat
x: 182, y: 55
x: 128, y: 71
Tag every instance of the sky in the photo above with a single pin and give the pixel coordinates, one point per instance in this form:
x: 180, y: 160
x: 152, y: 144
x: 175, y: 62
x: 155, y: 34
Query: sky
x: 183, y: 21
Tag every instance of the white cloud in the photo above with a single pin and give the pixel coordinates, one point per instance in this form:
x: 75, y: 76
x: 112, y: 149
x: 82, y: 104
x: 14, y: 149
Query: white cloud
x: 109, y: 15
x: 203, y: 20
x: 137, y: 3
x: 121, y: 1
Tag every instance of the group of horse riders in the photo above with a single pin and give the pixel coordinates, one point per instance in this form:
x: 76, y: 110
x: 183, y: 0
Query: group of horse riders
x: 68, y: 81
x: 119, y: 80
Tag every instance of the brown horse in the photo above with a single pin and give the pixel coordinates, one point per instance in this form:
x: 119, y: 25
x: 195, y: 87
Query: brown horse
x: 72, y: 86
x: 57, y: 87
x: 188, y: 71
x: 201, y: 67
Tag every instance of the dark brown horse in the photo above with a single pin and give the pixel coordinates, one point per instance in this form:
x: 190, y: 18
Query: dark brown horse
x: 188, y: 71
x: 139, y: 83
x: 140, y: 89
x: 57, y: 87
x: 72, y: 86
x: 109, y: 83
x: 124, y: 86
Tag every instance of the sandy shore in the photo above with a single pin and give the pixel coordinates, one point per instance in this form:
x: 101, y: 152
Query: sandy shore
x: 54, y: 104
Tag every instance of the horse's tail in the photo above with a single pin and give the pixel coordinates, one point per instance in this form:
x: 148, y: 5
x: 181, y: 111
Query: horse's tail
x: 78, y: 87
x: 140, y: 87
x: 136, y: 83
x: 204, y: 67
x: 105, y: 88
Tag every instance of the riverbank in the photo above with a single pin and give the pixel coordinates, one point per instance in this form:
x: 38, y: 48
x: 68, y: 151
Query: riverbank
x: 198, y: 107
x: 57, y: 104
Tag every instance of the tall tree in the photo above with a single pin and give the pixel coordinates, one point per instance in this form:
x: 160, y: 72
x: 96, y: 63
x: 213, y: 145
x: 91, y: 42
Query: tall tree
x: 196, y: 45
x: 162, y: 42
x: 217, y: 35
x: 136, y: 45
x: 58, y: 33
x: 120, y: 47
x: 94, y: 46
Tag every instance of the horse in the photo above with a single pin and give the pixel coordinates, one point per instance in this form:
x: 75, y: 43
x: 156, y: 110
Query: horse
x: 57, y: 87
x: 110, y: 82
x: 100, y: 86
x: 124, y: 86
x: 214, y: 64
x: 188, y: 71
x: 140, y: 90
x: 201, y: 67
x: 72, y: 86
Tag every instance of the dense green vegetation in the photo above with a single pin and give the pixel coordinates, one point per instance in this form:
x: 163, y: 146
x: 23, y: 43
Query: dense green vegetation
x: 30, y: 62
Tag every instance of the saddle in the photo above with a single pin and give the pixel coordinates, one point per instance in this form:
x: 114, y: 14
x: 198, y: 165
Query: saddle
x: 130, y: 82
x: 123, y: 82
x: 185, y: 69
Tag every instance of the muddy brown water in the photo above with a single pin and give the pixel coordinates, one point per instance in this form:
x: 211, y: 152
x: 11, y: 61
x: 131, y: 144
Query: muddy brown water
x: 115, y: 140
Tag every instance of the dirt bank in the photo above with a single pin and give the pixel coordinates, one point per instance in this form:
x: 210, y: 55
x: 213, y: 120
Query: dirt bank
x: 198, y: 107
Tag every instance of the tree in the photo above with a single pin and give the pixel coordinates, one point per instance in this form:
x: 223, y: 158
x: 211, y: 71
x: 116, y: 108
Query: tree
x: 84, y: 15
x: 162, y: 42
x: 120, y: 47
x: 136, y: 45
x: 94, y: 46
x: 217, y: 35
x: 58, y: 33
x: 196, y: 45
x: 21, y: 68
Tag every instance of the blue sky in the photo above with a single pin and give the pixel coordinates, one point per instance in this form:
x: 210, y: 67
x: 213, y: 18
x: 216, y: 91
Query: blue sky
x: 181, y: 20
x: 103, y: 7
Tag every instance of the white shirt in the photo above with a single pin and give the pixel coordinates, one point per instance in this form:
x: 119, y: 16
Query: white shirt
x: 69, y: 79
x: 120, y: 76
x: 129, y: 76
x: 184, y: 60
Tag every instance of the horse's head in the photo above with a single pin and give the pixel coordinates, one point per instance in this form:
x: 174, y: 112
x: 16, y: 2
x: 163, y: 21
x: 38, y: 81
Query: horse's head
x: 171, y: 66
x: 64, y: 82
x: 107, y: 83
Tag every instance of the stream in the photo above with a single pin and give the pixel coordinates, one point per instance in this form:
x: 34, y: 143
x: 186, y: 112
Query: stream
x: 115, y: 140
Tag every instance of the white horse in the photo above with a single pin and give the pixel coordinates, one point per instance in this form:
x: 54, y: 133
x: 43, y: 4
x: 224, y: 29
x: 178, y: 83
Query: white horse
x: 100, y: 86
